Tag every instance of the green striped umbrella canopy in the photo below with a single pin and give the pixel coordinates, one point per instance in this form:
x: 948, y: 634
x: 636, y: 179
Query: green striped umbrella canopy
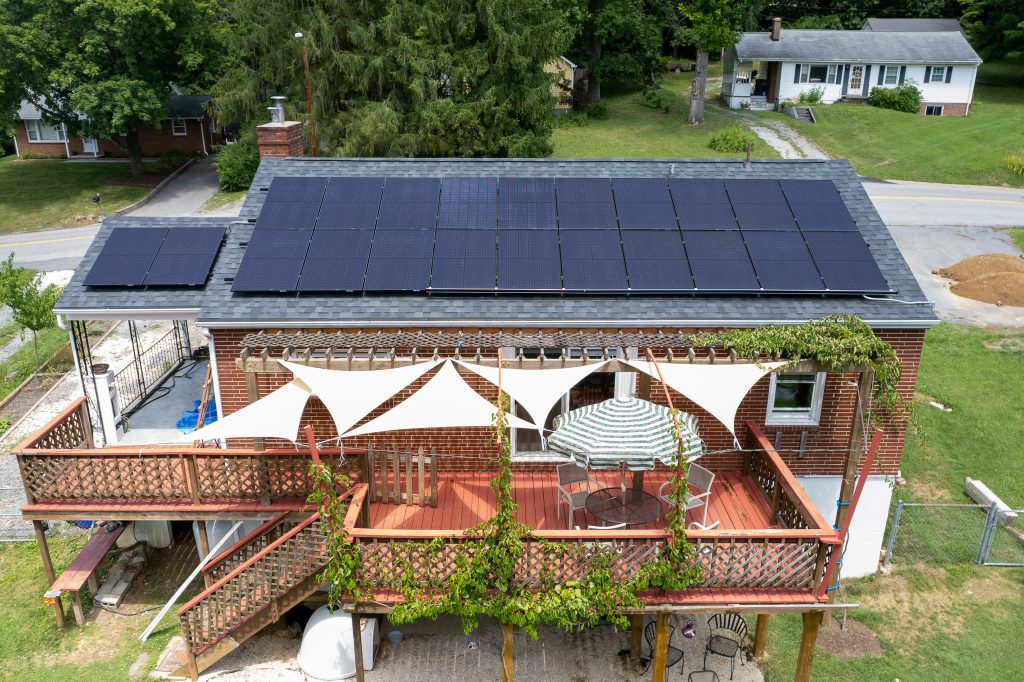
x: 629, y: 430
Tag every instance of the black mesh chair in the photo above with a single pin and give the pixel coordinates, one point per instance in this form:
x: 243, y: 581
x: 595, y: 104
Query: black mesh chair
x: 674, y: 655
x: 729, y: 635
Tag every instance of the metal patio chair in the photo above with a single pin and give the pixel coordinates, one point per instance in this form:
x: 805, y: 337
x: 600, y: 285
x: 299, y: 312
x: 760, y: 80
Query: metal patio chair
x: 574, y: 485
x: 697, y: 478
x: 673, y: 656
x: 729, y: 636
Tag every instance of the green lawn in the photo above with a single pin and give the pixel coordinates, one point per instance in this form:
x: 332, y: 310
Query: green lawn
x: 1018, y: 238
x: 39, y: 195
x: 22, y: 364
x: 953, y: 622
x: 893, y: 145
x: 222, y: 198
x: 632, y: 130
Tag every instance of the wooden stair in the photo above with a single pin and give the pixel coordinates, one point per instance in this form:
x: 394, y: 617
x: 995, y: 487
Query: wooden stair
x: 803, y: 114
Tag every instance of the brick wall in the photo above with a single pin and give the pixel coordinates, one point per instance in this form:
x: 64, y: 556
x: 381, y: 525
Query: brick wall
x: 825, y: 450
x: 53, y: 149
x: 954, y: 109
x: 280, y: 139
x: 154, y: 141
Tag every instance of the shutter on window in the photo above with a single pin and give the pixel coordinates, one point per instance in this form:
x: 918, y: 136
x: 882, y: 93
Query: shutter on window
x: 796, y: 73
x: 927, y: 74
x: 949, y: 73
x: 846, y: 78
x: 903, y: 74
x: 881, y: 74
x: 867, y: 80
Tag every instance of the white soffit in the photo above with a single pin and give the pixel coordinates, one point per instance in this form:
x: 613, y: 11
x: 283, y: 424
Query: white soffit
x: 719, y: 389
x: 350, y: 396
x: 537, y: 390
x: 276, y: 415
x: 443, y: 402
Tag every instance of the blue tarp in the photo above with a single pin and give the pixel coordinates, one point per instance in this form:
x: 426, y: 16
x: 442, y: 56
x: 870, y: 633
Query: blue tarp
x: 188, y: 421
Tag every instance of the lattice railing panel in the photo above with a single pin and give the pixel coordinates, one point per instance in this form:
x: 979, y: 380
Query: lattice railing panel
x: 787, y: 512
x: 226, y: 564
x: 758, y: 563
x: 70, y: 431
x: 256, y: 476
x: 98, y: 477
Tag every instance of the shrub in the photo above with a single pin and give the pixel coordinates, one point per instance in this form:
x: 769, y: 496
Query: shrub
x: 1015, y: 163
x: 906, y: 97
x: 5, y: 423
x: 734, y: 138
x: 570, y: 119
x: 35, y: 155
x: 597, y: 111
x: 655, y: 97
x: 170, y: 160
x: 812, y: 96
x: 236, y: 163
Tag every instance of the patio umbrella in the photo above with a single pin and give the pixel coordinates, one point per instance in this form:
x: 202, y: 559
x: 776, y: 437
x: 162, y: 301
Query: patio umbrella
x: 630, y: 430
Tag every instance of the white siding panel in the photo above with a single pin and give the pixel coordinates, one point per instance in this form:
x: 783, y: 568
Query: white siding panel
x: 788, y: 89
x: 957, y: 91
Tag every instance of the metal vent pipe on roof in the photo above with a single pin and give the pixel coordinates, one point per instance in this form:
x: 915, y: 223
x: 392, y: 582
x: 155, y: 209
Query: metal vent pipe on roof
x: 277, y: 110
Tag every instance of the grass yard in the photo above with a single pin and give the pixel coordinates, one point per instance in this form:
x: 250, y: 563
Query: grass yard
x: 39, y: 195
x: 22, y: 364
x: 893, y: 145
x: 957, y: 622
x: 223, y: 198
x: 632, y: 130
x: 1018, y: 238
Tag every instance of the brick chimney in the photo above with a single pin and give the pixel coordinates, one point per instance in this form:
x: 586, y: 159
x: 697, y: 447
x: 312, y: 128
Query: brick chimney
x: 776, y: 28
x: 279, y: 137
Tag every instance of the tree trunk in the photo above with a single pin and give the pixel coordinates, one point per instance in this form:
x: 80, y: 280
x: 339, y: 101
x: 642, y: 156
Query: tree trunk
x: 593, y: 84
x: 135, y: 151
x: 35, y: 349
x: 700, y: 84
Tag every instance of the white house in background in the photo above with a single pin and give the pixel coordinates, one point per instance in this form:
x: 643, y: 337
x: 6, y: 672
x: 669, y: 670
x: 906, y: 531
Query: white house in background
x: 768, y: 67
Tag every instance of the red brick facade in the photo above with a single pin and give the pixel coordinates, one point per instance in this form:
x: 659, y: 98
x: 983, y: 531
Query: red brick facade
x: 956, y: 109
x: 824, y: 452
x: 154, y: 141
x: 280, y: 139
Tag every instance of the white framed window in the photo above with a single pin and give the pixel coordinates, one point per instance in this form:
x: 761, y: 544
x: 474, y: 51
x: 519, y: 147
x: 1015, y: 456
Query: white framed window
x: 891, y: 75
x: 938, y: 75
x: 742, y: 75
x: 933, y: 110
x: 795, y: 398
x: 833, y: 74
x: 39, y: 131
x: 178, y: 127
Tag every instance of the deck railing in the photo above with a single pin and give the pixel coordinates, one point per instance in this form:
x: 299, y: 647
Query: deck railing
x: 69, y: 430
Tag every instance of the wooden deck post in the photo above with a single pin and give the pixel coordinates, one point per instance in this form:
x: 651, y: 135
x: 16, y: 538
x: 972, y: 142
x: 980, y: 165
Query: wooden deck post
x: 808, y: 638
x: 661, y: 647
x: 357, y: 645
x: 760, y: 635
x: 636, y: 631
x: 508, y: 669
x: 44, y: 552
x: 252, y: 388
x: 204, y: 547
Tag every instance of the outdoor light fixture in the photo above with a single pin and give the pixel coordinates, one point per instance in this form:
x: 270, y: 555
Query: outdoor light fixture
x: 689, y: 631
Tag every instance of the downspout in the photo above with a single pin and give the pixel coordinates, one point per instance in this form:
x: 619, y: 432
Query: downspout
x: 202, y: 135
x: 17, y: 151
x: 214, y: 376
x: 970, y: 94
x: 67, y: 148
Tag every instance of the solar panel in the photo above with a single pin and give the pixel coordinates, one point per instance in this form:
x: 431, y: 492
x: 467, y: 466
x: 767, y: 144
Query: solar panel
x: 656, y: 260
x: 698, y: 191
x: 719, y: 261
x: 179, y: 269
x: 296, y: 190
x: 811, y: 192
x: 782, y: 261
x: 353, y: 216
x: 400, y: 261
x: 845, y: 262
x: 267, y: 274
x: 407, y: 216
x: 469, y: 203
x: 706, y: 216
x: 337, y: 244
x: 133, y: 240
x: 765, y: 217
x: 592, y: 260
x: 126, y: 257
x: 528, y: 190
x: 754, y: 192
x: 529, y: 259
x: 192, y: 240
x: 335, y: 274
x: 526, y: 203
x: 411, y: 190
x: 584, y: 190
x: 582, y: 216
x: 657, y: 215
x: 288, y: 215
x: 469, y: 189
x: 827, y: 217
x: 640, y: 190
x: 464, y: 259
x: 270, y: 244
x: 353, y: 190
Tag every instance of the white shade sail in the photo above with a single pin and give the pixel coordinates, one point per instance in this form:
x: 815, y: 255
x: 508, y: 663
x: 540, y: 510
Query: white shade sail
x: 350, y: 396
x: 719, y: 389
x: 276, y: 415
x: 444, y: 401
x: 537, y: 390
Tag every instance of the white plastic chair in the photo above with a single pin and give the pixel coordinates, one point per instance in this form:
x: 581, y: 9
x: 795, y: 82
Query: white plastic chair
x: 697, y: 478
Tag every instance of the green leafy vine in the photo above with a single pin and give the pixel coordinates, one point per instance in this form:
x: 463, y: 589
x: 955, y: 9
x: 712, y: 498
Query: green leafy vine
x: 341, y: 574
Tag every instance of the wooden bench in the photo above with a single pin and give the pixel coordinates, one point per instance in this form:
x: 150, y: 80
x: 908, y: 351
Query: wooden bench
x: 81, y: 571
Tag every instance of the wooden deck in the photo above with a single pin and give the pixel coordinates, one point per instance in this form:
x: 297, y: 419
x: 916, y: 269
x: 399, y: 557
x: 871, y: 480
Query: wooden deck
x: 465, y: 499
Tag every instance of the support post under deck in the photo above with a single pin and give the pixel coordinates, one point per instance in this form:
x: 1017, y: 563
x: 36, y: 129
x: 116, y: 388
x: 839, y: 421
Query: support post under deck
x: 636, y: 630
x: 661, y: 647
x: 808, y: 639
x: 508, y: 666
x: 760, y: 635
x: 357, y: 645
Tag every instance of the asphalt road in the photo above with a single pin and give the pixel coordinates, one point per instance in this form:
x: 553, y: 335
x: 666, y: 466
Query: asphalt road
x: 927, y: 204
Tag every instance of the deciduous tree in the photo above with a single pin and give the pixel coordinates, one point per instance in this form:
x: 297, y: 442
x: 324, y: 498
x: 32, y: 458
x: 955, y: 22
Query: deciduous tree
x: 31, y: 303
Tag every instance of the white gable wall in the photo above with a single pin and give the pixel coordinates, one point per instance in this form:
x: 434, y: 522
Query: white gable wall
x: 957, y: 91
x: 788, y: 89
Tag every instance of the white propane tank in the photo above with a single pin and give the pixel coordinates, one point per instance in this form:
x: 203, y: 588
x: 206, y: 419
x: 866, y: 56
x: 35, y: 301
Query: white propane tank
x: 327, y: 650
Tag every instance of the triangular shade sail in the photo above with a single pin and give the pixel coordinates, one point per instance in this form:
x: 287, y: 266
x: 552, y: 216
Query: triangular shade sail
x: 537, y: 390
x: 444, y: 401
x: 350, y: 396
x: 719, y: 389
x: 276, y: 415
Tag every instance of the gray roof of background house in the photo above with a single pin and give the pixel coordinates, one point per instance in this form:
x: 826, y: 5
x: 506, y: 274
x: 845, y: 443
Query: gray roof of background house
x: 871, y: 47
x: 187, y: 106
x: 905, y: 24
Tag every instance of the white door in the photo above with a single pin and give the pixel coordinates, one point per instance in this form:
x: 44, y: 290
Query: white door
x: 89, y: 145
x: 856, y: 87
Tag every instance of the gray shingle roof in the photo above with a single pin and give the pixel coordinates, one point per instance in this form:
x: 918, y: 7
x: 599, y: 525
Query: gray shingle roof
x: 221, y: 307
x: 904, y: 24
x: 187, y: 106
x: 871, y: 47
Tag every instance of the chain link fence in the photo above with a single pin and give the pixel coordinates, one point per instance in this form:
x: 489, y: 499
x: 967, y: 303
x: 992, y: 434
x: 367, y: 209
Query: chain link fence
x: 949, y: 534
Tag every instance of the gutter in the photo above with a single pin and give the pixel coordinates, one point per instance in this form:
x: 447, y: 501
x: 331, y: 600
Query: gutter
x: 127, y: 313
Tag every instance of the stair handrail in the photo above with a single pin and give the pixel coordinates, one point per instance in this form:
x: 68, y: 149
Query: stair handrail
x: 248, y: 539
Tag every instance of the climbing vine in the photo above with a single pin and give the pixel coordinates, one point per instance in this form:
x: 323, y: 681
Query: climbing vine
x: 341, y: 574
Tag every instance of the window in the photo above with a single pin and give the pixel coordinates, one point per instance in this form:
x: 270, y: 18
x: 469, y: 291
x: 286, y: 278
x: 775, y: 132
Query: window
x: 938, y: 74
x: 892, y: 75
x: 743, y: 75
x: 833, y: 74
x: 795, y: 398
x: 178, y: 127
x: 933, y: 110
x: 38, y: 131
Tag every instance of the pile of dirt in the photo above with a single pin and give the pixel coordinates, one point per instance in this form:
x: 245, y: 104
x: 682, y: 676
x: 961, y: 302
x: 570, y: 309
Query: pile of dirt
x: 849, y: 640
x: 991, y: 278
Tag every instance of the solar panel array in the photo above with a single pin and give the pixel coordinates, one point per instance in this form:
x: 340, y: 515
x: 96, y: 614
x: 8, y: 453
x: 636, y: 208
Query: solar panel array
x: 142, y: 256
x: 485, y: 234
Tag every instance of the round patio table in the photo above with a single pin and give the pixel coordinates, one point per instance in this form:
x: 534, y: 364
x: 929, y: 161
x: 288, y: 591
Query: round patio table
x: 630, y: 506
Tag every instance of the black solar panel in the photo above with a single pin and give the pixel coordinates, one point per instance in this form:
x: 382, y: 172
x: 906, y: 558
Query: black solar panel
x: 353, y: 190
x: 754, y: 192
x: 641, y: 190
x: 698, y: 191
x: 469, y: 203
x: 845, y: 262
x: 719, y: 261
x: 584, y: 190
x: 827, y: 217
x: 267, y: 275
x: 766, y: 217
x: 811, y: 192
x: 192, y: 240
x: 331, y: 244
x: 657, y: 215
x: 269, y: 244
x: 397, y: 274
x: 133, y: 240
x: 407, y: 216
x: 296, y: 190
x: 288, y: 215
x: 411, y: 190
x: 185, y: 257
x: 656, y: 260
x: 354, y: 216
x: 464, y: 259
x: 592, y: 261
x: 582, y: 216
x: 336, y: 274
x: 706, y: 217
x: 527, y: 215
x: 126, y: 257
x: 531, y: 190
x: 782, y: 261
x: 529, y: 259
